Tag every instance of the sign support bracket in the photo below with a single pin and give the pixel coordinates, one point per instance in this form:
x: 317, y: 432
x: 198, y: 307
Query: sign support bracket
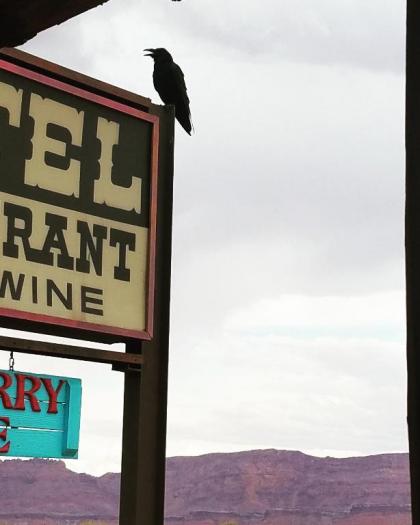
x: 81, y: 353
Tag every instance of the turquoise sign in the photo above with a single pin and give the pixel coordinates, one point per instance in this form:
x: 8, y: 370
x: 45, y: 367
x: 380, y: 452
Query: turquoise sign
x: 39, y: 415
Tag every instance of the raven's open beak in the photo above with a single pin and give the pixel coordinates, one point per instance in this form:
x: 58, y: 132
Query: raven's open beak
x: 150, y: 52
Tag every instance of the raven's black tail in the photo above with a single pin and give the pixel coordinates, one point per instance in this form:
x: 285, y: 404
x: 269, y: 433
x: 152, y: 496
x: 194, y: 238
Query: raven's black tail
x: 183, y: 116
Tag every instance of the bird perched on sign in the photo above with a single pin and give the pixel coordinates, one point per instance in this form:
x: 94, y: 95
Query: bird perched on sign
x: 169, y: 82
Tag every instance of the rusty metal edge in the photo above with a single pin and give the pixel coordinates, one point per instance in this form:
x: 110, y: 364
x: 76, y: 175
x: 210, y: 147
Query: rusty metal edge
x: 79, y: 79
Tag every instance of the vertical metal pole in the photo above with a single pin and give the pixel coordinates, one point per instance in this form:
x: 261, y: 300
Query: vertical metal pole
x: 145, y: 395
x: 413, y: 247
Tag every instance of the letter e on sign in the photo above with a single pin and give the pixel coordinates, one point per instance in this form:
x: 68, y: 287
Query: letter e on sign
x: 37, y: 173
x: 3, y: 435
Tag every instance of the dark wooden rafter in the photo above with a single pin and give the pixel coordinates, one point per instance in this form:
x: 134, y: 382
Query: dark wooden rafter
x: 21, y: 20
x: 81, y: 353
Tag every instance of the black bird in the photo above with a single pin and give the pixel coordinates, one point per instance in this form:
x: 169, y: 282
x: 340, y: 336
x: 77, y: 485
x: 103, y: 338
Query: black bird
x: 169, y: 82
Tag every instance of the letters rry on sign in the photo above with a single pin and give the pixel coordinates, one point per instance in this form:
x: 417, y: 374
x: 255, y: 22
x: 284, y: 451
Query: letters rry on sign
x: 39, y: 415
x: 77, y: 206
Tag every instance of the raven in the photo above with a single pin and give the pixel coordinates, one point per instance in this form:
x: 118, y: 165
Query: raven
x: 169, y: 82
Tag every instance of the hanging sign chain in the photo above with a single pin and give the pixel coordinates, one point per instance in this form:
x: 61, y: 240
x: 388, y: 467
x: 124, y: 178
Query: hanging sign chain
x: 11, y: 362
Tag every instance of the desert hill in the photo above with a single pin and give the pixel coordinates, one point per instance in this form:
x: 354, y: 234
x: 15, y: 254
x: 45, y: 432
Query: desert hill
x: 262, y: 487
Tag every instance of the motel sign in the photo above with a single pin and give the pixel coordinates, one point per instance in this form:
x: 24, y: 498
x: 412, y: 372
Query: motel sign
x: 77, y: 210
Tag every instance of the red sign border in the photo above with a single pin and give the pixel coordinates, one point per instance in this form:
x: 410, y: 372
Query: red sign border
x: 146, y: 334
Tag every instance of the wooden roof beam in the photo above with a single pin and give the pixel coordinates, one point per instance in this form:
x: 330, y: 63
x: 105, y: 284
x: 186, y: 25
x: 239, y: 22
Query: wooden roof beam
x: 21, y: 20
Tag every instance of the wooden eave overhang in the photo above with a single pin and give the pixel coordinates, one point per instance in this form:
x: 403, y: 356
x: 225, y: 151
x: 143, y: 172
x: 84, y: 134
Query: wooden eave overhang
x: 21, y: 20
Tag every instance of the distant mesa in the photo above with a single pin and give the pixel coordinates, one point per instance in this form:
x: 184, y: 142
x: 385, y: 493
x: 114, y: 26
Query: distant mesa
x: 261, y: 487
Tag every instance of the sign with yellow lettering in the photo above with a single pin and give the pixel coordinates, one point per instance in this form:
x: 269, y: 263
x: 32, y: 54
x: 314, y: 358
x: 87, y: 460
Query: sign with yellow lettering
x: 78, y: 175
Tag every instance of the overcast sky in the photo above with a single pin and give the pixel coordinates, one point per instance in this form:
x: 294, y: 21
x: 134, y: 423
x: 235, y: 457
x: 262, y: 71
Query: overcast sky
x: 288, y: 269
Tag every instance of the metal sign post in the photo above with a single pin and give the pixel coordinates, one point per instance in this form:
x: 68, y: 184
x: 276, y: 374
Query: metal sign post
x: 86, y: 174
x: 413, y: 247
x: 145, y: 399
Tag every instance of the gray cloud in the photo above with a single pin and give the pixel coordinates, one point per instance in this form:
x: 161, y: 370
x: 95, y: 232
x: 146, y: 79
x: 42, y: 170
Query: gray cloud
x: 292, y: 184
x: 361, y: 34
